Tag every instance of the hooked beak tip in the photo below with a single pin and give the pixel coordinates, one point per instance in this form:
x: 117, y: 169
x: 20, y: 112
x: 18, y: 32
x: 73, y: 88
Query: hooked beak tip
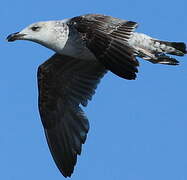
x: 14, y: 36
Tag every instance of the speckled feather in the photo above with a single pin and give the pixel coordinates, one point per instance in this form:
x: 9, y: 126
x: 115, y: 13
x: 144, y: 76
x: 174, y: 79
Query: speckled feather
x: 85, y: 48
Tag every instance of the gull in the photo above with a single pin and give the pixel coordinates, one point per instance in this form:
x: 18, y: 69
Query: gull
x: 85, y: 47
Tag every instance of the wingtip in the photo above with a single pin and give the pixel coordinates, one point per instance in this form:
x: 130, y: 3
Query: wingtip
x: 67, y: 174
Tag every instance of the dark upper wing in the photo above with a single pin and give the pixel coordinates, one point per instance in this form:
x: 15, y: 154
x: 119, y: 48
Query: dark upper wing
x: 64, y: 83
x: 107, y: 38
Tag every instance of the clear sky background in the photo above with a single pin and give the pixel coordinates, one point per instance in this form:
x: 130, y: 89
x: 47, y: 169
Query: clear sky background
x: 138, y: 128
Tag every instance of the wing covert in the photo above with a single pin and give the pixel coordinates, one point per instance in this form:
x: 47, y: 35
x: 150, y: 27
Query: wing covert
x: 107, y: 38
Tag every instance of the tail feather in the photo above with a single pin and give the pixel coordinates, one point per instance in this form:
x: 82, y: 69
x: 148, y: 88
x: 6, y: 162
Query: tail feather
x: 156, y: 51
x: 180, y: 46
x: 164, y: 59
x: 156, y: 58
x: 173, y: 48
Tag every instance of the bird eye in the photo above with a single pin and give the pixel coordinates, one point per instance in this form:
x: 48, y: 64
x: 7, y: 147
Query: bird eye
x: 35, y: 28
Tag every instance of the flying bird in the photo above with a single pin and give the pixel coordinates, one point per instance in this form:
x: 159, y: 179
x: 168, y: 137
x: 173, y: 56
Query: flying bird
x: 86, y: 47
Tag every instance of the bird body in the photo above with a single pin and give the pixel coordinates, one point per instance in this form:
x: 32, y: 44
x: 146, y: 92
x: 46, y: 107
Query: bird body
x: 86, y: 47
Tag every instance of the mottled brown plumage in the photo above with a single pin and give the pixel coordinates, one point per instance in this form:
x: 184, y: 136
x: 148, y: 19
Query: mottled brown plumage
x: 107, y: 38
x: 85, y: 48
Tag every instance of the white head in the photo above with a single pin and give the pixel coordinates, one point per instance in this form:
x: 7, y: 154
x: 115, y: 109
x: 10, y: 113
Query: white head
x: 51, y: 34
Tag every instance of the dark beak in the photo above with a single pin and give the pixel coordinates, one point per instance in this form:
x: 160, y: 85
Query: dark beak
x: 14, y: 36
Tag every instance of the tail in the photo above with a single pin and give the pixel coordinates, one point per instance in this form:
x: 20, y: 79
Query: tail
x: 165, y: 47
x: 174, y: 48
x: 156, y: 51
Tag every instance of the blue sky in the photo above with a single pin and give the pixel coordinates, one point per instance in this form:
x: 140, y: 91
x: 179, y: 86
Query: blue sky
x: 138, y: 128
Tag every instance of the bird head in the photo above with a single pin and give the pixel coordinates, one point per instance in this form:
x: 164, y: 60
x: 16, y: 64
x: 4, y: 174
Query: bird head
x: 47, y: 33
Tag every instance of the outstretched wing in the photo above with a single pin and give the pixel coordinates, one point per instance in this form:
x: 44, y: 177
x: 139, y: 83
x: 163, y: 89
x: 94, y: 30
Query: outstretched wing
x: 65, y: 83
x: 107, y: 38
